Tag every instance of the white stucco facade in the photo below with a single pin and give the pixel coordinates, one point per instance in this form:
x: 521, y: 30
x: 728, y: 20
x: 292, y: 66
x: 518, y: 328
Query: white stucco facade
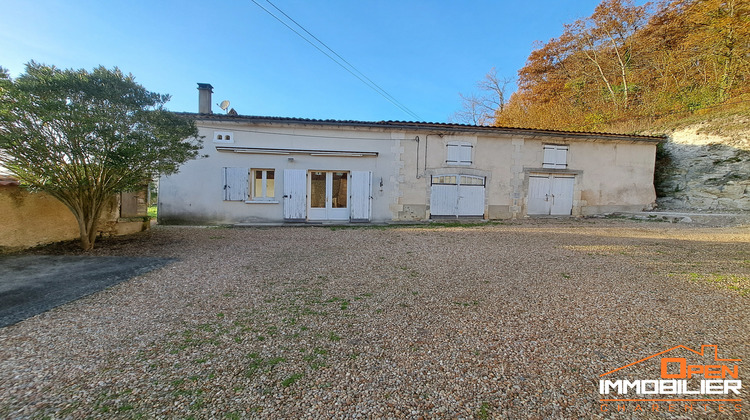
x: 296, y: 170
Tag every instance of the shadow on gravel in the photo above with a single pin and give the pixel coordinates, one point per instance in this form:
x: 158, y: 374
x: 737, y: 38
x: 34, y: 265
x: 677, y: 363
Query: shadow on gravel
x: 32, y: 284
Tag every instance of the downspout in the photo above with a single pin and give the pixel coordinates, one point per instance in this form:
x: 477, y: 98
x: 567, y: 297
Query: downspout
x: 417, y: 139
x: 427, y: 136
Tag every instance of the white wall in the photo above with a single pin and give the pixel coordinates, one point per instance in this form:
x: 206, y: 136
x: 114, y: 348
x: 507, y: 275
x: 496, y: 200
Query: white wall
x: 195, y: 195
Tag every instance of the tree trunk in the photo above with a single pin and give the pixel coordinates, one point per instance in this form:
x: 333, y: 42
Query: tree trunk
x: 88, y: 222
x: 595, y: 60
x: 623, y: 69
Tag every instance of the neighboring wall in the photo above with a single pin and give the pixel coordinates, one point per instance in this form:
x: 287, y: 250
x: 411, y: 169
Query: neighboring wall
x: 29, y: 219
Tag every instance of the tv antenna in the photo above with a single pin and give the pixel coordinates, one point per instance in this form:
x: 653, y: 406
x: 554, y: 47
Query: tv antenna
x: 224, y: 105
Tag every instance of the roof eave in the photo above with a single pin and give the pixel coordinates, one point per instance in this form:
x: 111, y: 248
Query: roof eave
x: 435, y: 128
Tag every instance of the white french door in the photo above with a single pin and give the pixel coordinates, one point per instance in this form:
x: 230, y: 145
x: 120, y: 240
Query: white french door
x: 329, y: 195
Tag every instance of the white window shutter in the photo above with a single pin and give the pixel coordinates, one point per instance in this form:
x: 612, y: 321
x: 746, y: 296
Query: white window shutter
x: 550, y: 157
x: 295, y: 194
x: 235, y: 184
x: 464, y: 154
x: 561, y: 159
x: 458, y: 154
x: 361, y: 189
x: 555, y: 156
x: 452, y: 154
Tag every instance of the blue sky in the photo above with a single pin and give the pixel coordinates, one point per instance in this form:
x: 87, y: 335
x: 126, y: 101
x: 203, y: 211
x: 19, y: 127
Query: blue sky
x: 421, y: 52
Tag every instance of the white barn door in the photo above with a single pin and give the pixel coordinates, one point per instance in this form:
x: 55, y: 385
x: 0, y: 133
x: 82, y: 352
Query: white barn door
x: 361, y: 196
x: 550, y: 195
x: 538, y: 199
x: 295, y: 194
x: 470, y: 196
x: 457, y: 195
x: 562, y: 195
x: 443, y: 200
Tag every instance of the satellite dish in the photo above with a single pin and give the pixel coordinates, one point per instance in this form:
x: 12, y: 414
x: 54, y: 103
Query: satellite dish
x: 224, y: 105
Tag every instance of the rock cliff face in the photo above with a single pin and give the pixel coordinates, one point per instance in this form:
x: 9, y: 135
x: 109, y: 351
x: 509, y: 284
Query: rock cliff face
x: 705, y: 172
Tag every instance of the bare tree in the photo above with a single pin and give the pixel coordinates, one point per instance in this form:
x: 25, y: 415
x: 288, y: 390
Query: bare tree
x: 480, y: 109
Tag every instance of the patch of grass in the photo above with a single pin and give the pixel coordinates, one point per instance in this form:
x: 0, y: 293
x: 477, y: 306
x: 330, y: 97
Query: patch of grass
x: 334, y: 337
x: 152, y: 212
x: 734, y: 282
x: 344, y: 302
x: 291, y: 380
x: 123, y: 408
x: 317, y: 364
x: 484, y: 411
x: 257, y: 363
x: 274, y: 361
x: 197, y: 404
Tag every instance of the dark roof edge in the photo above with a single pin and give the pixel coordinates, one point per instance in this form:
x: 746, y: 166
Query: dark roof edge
x: 413, y: 125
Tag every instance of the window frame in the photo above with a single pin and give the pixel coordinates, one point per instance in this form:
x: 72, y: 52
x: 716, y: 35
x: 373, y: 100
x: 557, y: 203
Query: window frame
x: 264, y: 185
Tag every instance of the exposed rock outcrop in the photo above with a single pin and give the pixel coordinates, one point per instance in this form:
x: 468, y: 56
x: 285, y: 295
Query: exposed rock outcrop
x: 705, y: 172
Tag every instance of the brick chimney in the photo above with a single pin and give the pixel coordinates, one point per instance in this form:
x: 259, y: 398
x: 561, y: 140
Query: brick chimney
x: 204, y: 97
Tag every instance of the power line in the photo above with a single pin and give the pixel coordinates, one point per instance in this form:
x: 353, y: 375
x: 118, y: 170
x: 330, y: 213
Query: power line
x: 348, y: 67
x: 375, y: 85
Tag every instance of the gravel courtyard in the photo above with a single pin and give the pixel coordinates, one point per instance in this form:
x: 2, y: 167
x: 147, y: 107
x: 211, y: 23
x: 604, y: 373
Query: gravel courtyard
x: 513, y: 320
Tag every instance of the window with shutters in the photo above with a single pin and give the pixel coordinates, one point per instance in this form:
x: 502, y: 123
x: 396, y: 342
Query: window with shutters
x: 263, y: 185
x: 235, y: 184
x: 555, y: 156
x: 458, y: 153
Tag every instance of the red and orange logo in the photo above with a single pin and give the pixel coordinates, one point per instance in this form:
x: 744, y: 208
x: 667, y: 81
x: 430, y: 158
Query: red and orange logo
x: 685, y: 377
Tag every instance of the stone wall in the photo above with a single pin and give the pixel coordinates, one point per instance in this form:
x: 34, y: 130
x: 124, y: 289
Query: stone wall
x: 28, y: 219
x: 705, y: 172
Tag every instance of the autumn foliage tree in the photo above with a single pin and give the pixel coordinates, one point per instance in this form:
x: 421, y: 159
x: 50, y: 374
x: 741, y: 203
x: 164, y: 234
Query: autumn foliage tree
x: 84, y: 136
x: 627, y: 62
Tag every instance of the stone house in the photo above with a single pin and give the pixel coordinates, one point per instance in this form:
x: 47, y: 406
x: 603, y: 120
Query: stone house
x: 271, y: 169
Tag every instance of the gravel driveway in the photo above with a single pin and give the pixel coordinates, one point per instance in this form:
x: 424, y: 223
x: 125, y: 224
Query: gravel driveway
x: 510, y: 320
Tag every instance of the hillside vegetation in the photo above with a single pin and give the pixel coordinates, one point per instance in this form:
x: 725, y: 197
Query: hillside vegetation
x: 631, y: 68
x: 678, y: 67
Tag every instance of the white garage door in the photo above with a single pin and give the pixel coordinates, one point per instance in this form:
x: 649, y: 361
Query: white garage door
x: 550, y: 195
x: 457, y: 195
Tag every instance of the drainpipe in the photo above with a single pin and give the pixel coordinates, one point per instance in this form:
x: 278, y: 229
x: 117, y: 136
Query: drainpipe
x: 417, y: 139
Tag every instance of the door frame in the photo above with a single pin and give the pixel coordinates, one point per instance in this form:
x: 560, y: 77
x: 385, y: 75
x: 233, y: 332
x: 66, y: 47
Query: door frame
x: 551, y: 176
x: 328, y: 212
x: 456, y: 192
